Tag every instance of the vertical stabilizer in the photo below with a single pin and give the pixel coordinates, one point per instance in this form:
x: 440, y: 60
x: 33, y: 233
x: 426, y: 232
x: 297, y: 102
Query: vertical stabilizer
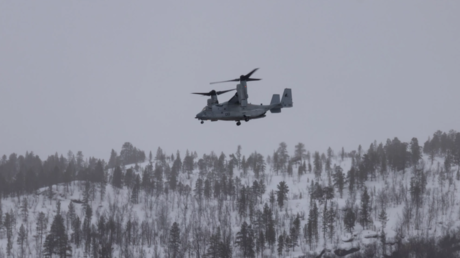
x: 286, y: 101
x: 275, y: 101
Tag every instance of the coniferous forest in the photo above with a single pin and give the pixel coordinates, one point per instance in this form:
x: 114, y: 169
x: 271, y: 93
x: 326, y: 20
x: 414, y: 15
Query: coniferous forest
x: 391, y: 199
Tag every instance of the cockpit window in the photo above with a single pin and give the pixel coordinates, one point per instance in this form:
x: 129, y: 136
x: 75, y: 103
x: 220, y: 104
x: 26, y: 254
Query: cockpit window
x: 204, y: 108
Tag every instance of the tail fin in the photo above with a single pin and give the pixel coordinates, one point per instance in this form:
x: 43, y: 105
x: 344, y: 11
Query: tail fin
x: 286, y: 101
x: 275, y: 101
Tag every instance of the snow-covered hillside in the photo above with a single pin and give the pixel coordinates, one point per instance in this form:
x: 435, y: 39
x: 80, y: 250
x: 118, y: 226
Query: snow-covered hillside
x: 234, y: 206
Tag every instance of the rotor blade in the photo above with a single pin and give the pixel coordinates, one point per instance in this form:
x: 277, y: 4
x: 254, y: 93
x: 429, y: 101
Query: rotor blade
x: 250, y: 79
x: 199, y: 93
x: 242, y: 78
x: 222, y: 92
x: 249, y: 74
x: 235, y: 80
x: 212, y: 93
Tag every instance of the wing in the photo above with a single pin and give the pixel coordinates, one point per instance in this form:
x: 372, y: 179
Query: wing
x: 234, y: 100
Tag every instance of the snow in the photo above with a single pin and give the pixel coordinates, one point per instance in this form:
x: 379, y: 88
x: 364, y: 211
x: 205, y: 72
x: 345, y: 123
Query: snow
x: 179, y: 208
x: 347, y: 237
x: 369, y: 234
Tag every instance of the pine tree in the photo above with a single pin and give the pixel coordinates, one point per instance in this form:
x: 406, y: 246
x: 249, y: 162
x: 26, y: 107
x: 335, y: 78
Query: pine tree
x: 291, y: 240
x: 416, y: 151
x: 106, y: 250
x: 86, y: 194
x: 262, y: 188
x: 226, y: 246
x: 244, y: 166
x: 129, y: 178
x: 173, y: 179
x: 272, y: 199
x: 311, y: 227
x: 50, y: 192
x: 207, y: 189
x: 86, y: 229
x: 351, y: 178
x: 271, y: 234
x: 238, y: 156
x: 42, y: 224
x: 383, y: 218
x: 113, y: 159
x: 328, y: 169
x: 199, y: 188
x: 325, y: 222
x: 95, y: 247
x: 280, y: 245
x: 365, y: 211
x: 158, y: 176
x: 299, y: 153
x: 339, y: 179
x: 290, y: 169
x: 242, y: 202
x: 117, y: 179
x: 174, y: 241
x: 100, y: 179
x: 315, y: 222
x: 49, y: 246
x: 307, y: 234
x: 58, y: 232
x: 245, y: 240
x: 281, y: 193
x: 70, y: 216
x: 383, y: 241
x: 349, y: 220
x: 331, y: 221
x: 300, y: 171
x: 8, y: 224
x: 22, y: 237
x: 318, y: 165
x: 282, y: 157
x: 217, y: 189
x: 214, y: 245
x: 24, y: 210
x: 146, y: 184
x: 77, y: 233
x: 295, y: 230
x: 287, y: 243
x: 260, y: 242
x: 1, y: 208
x: 136, y: 190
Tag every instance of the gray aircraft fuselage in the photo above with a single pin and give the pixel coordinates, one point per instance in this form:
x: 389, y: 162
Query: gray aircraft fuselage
x: 232, y: 112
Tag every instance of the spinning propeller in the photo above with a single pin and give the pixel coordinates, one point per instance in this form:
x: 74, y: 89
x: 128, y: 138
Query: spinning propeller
x: 242, y: 78
x: 212, y: 93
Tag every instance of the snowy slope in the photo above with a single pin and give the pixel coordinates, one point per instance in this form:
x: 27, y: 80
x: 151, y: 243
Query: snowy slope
x: 161, y: 211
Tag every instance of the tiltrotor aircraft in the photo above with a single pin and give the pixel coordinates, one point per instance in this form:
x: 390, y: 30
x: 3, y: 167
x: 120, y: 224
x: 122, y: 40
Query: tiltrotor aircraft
x: 237, y: 108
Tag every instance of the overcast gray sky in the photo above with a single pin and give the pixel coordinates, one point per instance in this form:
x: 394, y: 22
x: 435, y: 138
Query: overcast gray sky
x: 91, y: 75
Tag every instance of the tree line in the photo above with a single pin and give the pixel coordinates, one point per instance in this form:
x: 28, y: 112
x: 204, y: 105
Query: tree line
x: 222, y: 184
